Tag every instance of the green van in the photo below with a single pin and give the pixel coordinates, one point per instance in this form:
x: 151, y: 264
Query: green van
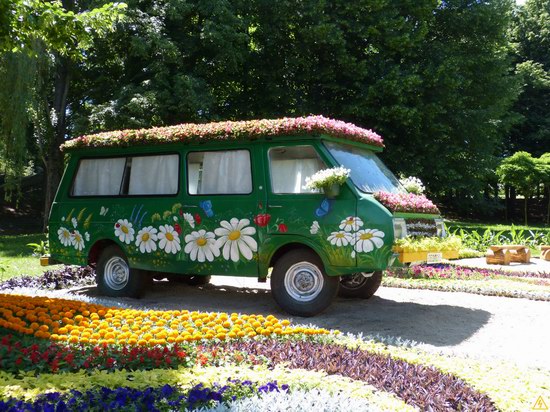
x: 229, y: 198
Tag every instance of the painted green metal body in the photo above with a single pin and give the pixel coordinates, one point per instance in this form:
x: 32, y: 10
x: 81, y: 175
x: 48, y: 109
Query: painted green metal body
x: 279, y: 221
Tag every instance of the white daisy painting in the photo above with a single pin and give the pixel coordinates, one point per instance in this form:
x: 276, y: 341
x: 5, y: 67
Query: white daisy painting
x: 340, y: 238
x: 201, y: 246
x: 368, y: 239
x: 169, y: 239
x: 351, y: 223
x: 146, y: 239
x: 124, y: 231
x: 77, y: 240
x: 236, y: 239
x: 64, y: 236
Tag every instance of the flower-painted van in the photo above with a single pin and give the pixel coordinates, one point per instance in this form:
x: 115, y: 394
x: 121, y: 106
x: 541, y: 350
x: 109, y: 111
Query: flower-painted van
x: 230, y: 198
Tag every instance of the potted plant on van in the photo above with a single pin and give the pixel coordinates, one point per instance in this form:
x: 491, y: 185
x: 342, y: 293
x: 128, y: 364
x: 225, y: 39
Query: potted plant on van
x: 328, y: 180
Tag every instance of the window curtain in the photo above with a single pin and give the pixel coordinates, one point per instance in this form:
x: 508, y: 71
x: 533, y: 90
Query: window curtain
x: 193, y: 173
x: 99, y: 177
x: 226, y: 173
x: 289, y: 175
x: 154, y: 175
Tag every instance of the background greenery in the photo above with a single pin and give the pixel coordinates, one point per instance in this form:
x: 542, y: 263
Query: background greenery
x: 462, y: 82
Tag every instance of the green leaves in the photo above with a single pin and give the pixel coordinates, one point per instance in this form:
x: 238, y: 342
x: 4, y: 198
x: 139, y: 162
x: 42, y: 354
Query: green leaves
x: 62, y: 31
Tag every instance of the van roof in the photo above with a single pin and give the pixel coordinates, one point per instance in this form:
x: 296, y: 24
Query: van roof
x: 228, y: 131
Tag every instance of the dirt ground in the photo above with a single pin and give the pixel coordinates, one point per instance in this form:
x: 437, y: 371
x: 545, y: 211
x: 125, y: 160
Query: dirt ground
x: 480, y: 326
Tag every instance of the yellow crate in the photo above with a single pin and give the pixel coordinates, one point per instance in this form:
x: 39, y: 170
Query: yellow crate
x: 422, y: 256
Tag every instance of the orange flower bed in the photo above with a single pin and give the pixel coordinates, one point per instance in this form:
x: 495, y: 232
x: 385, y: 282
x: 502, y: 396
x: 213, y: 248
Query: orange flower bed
x: 80, y: 322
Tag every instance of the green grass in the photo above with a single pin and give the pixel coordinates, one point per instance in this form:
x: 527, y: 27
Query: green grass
x: 16, y: 257
x: 481, y: 227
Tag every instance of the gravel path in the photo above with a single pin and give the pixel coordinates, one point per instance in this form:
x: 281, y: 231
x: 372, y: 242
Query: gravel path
x: 481, y: 326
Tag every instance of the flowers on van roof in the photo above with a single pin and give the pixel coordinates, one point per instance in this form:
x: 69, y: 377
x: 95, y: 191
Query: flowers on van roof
x: 406, y: 202
x: 228, y: 130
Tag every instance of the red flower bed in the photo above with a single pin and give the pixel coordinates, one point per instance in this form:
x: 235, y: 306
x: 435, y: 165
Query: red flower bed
x: 23, y: 353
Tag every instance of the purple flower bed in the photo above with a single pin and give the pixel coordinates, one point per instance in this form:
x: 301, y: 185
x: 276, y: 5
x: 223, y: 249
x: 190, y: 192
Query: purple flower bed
x: 250, y: 129
x: 457, y: 272
x: 422, y: 386
x: 150, y: 399
x: 64, y: 278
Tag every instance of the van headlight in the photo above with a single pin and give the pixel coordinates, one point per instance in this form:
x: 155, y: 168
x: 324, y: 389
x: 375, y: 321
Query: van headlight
x: 440, y: 227
x: 399, y: 228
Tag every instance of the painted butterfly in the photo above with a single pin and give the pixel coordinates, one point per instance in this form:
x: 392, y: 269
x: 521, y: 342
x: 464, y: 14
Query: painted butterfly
x: 324, y: 208
x: 206, y: 206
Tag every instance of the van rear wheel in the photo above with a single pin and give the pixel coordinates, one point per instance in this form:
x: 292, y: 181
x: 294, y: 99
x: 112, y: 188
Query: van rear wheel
x: 360, y: 285
x: 300, y: 285
x: 114, y: 276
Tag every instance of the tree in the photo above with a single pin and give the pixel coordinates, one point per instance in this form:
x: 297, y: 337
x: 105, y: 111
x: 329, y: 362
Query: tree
x: 544, y: 172
x: 532, y: 38
x: 45, y: 41
x: 521, y: 171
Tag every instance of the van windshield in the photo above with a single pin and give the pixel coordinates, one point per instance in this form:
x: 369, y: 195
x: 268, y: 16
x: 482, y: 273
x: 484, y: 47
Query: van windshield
x: 368, y: 173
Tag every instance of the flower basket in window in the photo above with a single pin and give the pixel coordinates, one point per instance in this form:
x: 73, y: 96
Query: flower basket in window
x: 328, y: 180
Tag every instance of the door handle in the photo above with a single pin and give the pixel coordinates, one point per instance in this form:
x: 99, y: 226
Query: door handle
x: 274, y: 206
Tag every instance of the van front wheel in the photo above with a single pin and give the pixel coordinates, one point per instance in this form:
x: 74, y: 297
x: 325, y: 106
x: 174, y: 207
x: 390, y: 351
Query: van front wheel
x: 360, y: 285
x: 300, y: 285
x: 114, y: 276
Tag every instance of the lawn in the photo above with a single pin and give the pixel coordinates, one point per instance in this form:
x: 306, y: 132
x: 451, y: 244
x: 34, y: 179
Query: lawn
x: 497, y: 227
x: 16, y: 258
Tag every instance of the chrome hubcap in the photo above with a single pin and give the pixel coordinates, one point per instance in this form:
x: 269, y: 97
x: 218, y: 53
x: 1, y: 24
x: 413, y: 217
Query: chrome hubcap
x: 116, y: 273
x: 304, y: 281
x: 355, y: 280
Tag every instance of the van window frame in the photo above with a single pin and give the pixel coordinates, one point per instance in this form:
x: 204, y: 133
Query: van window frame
x: 275, y: 145
x: 219, y: 150
x: 122, y: 196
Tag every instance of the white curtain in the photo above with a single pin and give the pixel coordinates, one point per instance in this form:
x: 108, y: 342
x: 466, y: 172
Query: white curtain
x: 289, y: 175
x: 154, y: 175
x: 193, y: 175
x: 226, y: 173
x: 99, y: 177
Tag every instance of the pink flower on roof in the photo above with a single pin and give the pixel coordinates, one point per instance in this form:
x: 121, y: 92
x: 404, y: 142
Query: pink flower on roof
x: 250, y: 129
x: 406, y: 202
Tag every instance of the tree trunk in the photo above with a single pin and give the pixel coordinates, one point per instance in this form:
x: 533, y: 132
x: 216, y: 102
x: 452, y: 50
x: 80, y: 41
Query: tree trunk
x: 525, y: 209
x: 54, y: 160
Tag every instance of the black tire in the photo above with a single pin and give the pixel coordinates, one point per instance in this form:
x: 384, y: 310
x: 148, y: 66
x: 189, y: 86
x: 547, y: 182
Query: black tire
x: 316, y: 290
x: 114, y: 276
x: 359, y: 286
x: 193, y: 280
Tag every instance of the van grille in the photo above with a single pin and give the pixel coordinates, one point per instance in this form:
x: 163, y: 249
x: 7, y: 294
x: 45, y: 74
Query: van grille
x: 421, y: 227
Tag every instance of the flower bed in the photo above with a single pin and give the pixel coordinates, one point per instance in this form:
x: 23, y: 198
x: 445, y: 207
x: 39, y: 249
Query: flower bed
x: 275, y: 361
x: 406, y: 202
x: 453, y: 278
x: 251, y: 129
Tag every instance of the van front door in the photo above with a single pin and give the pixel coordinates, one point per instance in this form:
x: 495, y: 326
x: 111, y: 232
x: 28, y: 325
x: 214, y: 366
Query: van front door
x: 220, y: 206
x: 308, y: 216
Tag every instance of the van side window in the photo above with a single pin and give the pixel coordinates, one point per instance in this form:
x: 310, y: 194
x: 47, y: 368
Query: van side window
x: 221, y: 172
x: 99, y: 177
x: 154, y: 175
x: 289, y: 166
x: 127, y: 176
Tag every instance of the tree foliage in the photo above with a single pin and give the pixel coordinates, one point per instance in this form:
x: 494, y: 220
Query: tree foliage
x: 436, y: 79
x: 522, y: 171
x: 531, y: 33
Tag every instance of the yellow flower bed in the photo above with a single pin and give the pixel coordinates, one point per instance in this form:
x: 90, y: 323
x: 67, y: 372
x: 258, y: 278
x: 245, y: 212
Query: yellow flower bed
x: 81, y: 322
